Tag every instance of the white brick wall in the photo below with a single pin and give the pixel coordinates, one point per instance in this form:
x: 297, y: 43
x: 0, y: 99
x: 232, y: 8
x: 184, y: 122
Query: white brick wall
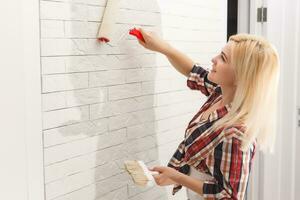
x: 103, y: 104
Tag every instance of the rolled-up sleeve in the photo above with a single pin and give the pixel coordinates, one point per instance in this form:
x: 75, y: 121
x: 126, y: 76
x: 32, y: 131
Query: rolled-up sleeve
x: 197, y: 80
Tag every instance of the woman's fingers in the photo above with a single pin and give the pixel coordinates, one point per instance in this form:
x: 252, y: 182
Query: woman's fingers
x: 162, y: 180
x: 159, y: 179
x: 158, y: 169
x: 153, y: 42
x: 142, y: 43
x: 153, y: 173
x: 143, y: 32
x: 145, y: 35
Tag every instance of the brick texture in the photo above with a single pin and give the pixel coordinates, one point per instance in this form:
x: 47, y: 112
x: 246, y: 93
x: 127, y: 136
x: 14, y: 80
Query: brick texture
x: 103, y: 104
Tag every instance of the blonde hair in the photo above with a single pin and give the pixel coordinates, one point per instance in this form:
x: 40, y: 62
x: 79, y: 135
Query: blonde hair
x: 256, y: 67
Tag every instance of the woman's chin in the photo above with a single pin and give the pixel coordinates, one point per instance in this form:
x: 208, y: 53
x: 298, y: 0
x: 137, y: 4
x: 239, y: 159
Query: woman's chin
x: 210, y: 76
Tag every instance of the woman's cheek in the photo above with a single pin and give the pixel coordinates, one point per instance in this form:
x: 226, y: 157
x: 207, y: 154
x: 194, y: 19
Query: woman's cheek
x: 228, y: 78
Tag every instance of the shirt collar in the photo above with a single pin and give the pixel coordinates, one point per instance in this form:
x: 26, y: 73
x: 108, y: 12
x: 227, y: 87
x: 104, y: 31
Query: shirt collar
x: 220, y: 112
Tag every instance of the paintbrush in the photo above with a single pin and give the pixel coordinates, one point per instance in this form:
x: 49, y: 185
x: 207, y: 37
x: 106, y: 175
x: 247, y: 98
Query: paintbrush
x: 139, y: 172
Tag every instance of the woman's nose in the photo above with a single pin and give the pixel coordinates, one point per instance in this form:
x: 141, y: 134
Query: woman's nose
x: 213, y: 60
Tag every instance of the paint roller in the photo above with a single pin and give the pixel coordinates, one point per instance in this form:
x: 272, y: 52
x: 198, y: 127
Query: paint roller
x: 108, y: 23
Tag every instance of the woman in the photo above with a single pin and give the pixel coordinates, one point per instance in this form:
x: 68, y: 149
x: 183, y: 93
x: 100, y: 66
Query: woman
x: 215, y: 157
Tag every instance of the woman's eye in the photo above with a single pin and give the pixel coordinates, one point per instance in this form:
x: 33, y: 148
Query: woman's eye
x: 222, y: 58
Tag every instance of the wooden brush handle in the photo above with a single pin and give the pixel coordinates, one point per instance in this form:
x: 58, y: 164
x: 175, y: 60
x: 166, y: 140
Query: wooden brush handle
x: 154, y: 173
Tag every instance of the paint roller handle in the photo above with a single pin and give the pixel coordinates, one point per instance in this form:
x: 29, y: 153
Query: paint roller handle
x: 137, y: 33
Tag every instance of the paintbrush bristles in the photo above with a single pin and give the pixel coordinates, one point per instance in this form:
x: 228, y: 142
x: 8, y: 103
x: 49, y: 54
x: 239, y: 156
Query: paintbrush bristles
x: 135, y: 169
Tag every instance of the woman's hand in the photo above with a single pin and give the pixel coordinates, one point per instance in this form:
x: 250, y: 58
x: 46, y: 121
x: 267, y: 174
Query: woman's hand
x: 166, y: 176
x: 153, y: 42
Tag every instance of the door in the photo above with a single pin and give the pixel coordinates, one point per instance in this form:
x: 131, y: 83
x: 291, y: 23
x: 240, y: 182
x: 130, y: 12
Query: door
x: 277, y: 177
x: 274, y: 176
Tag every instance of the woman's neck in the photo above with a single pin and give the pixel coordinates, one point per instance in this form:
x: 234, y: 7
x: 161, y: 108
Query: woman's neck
x: 227, y: 94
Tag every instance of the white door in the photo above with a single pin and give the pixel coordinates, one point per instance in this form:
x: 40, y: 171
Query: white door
x: 284, y: 20
x: 276, y: 176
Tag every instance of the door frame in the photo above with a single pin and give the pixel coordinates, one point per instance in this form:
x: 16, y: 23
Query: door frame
x: 33, y: 98
x: 22, y: 140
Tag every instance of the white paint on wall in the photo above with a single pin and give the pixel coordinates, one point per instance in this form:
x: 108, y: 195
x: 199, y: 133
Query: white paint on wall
x: 103, y: 103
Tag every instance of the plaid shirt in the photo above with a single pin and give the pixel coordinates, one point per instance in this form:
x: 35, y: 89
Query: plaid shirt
x: 217, y: 153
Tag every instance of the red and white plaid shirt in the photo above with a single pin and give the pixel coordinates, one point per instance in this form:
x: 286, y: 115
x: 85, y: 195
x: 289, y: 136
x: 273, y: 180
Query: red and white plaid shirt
x: 217, y: 153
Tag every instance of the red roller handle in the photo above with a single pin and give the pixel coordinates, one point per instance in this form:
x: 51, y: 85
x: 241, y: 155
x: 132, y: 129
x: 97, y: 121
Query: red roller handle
x: 103, y: 39
x: 137, y: 33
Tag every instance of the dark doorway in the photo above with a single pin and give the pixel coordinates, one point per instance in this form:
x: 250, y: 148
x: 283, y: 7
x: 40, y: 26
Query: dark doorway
x: 232, y: 15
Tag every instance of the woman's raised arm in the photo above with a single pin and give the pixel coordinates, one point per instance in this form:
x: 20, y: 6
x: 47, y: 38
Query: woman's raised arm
x: 180, y: 61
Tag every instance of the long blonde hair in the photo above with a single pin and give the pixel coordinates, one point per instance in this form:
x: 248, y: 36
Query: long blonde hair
x: 256, y: 67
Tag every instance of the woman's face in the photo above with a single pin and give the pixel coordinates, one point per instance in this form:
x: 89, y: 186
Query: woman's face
x: 222, y: 71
